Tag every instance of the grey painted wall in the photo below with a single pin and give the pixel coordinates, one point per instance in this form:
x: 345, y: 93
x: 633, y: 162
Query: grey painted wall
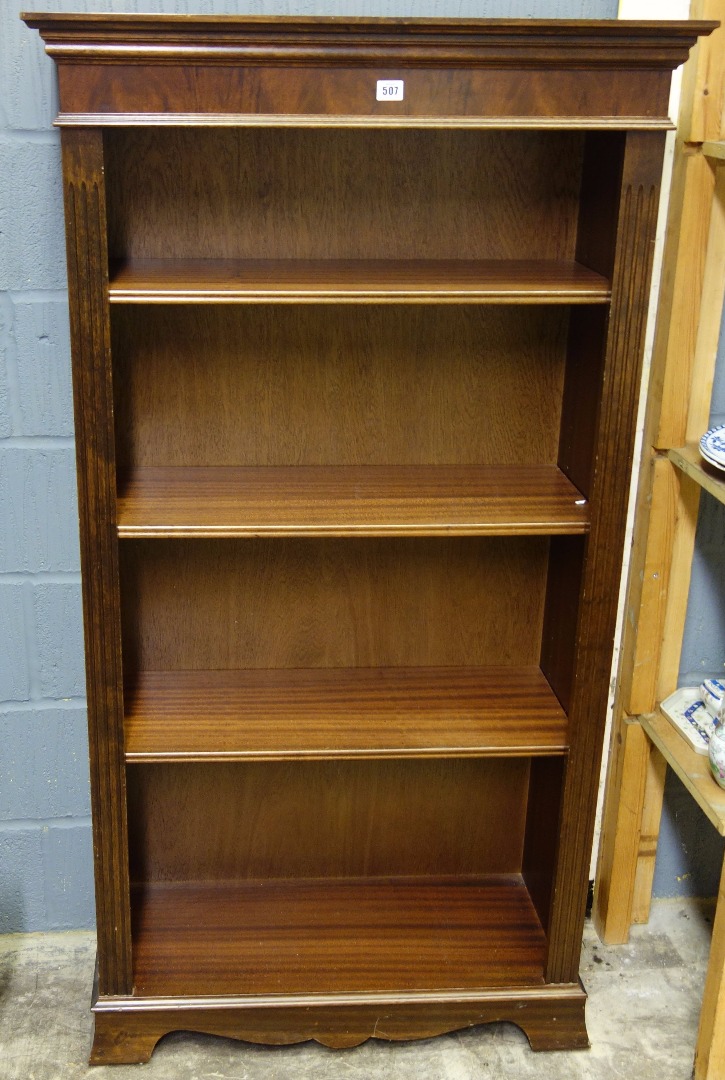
x: 45, y: 847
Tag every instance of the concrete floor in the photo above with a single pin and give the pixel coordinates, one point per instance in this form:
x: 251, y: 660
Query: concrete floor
x: 642, y: 1016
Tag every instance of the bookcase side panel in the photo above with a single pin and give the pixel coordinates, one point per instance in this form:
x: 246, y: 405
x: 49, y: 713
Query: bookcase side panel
x: 85, y: 212
x: 612, y: 456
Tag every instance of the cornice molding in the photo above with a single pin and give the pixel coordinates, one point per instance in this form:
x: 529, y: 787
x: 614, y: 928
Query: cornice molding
x: 380, y: 43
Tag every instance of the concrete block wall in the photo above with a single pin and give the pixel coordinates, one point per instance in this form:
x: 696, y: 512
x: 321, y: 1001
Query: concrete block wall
x: 45, y: 838
x: 45, y: 843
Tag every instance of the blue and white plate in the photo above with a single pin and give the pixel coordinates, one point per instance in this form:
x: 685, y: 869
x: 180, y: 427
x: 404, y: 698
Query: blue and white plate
x: 712, y: 446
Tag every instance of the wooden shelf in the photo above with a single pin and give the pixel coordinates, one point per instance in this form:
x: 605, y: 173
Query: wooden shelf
x: 693, y: 769
x: 691, y: 462
x: 223, y: 281
x: 342, y: 713
x: 381, y: 500
x: 714, y: 149
x: 335, y: 936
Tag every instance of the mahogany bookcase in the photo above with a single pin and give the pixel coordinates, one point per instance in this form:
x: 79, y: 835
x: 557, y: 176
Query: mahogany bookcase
x: 357, y: 313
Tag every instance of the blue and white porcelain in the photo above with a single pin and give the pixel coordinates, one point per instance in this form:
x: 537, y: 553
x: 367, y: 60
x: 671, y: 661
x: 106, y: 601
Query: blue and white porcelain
x: 712, y: 446
x: 712, y: 692
x: 716, y: 753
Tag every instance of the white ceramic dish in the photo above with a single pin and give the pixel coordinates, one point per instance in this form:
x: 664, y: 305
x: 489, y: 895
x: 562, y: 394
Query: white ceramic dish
x: 686, y: 710
x: 712, y: 446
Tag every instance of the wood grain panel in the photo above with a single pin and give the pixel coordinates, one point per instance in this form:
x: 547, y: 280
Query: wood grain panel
x: 308, y: 385
x: 602, y: 566
x: 349, y: 501
x: 164, y: 281
x: 291, y: 194
x: 551, y: 1017
x: 142, y: 94
x: 337, y: 937
x: 218, y: 604
x: 561, y: 613
x: 541, y: 840
x: 326, y: 819
x: 338, y: 713
x: 85, y: 213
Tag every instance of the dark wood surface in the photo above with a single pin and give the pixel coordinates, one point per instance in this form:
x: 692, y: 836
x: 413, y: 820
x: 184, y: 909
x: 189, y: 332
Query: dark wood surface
x: 339, y: 713
x: 551, y: 1017
x: 326, y: 819
x: 633, y: 251
x: 337, y: 385
x: 581, y: 72
x: 344, y: 195
x: 260, y: 139
x: 87, y: 256
x: 393, y: 602
x: 349, y: 501
x: 541, y: 837
x: 378, y: 281
x: 334, y: 936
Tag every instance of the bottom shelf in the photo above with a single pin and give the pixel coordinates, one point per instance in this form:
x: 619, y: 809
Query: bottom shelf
x: 333, y: 936
x: 692, y: 769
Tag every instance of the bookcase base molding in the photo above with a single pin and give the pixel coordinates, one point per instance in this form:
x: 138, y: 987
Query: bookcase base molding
x: 355, y: 387
x: 127, y: 1030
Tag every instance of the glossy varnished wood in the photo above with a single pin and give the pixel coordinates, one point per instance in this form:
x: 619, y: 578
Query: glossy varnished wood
x: 343, y: 195
x: 87, y: 256
x: 340, y: 713
x: 338, y: 936
x: 136, y: 69
x: 340, y: 899
x: 127, y: 1029
x: 335, y: 385
x: 326, y: 819
x: 632, y: 253
x: 159, y: 281
x: 402, y: 602
x: 349, y: 501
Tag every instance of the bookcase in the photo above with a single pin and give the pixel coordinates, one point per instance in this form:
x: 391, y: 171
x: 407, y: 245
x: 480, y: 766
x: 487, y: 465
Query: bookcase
x: 355, y: 386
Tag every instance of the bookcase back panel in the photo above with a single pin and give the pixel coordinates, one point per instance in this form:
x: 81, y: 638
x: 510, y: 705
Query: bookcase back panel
x: 285, y: 193
x: 220, y: 604
x: 326, y: 819
x: 338, y: 386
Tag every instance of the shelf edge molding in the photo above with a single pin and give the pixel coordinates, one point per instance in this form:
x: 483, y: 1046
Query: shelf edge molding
x: 349, y: 500
x: 323, y: 281
x: 342, y: 713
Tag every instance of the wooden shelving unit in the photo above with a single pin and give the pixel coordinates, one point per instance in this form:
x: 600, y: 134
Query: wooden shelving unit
x: 689, y: 460
x: 693, y: 769
x: 355, y: 392
x: 672, y: 478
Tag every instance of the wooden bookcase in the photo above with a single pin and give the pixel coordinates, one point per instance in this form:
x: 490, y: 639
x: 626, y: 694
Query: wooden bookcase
x: 355, y: 387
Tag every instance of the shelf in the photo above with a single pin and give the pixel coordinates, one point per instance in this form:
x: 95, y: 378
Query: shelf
x: 224, y: 281
x: 715, y: 150
x: 690, y: 461
x: 422, y: 500
x: 326, y: 936
x: 342, y: 713
x: 693, y: 769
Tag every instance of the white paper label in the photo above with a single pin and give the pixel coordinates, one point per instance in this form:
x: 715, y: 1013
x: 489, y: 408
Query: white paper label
x: 390, y: 90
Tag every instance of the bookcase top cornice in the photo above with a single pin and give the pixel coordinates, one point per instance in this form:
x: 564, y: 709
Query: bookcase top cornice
x: 523, y: 43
